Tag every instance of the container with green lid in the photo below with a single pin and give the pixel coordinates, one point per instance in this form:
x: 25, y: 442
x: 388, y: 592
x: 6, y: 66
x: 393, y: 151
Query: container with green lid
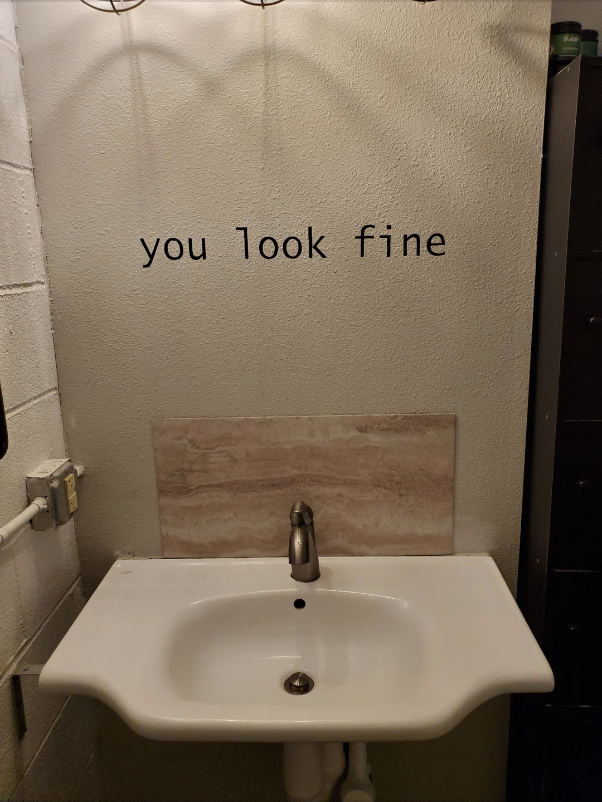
x: 565, y: 39
x: 589, y: 42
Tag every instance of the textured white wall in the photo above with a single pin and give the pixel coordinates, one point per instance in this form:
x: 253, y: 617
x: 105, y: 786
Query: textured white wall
x: 40, y: 592
x: 189, y: 119
x: 587, y: 12
x: 194, y: 118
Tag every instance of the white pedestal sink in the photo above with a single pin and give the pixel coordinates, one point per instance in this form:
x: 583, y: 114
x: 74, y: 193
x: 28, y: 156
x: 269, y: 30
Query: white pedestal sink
x: 398, y: 648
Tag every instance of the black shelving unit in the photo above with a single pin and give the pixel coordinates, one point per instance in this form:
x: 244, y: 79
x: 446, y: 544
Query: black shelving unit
x: 555, y: 750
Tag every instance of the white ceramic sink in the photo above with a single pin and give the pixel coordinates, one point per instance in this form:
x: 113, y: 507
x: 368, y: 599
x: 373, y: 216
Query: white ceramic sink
x: 399, y: 648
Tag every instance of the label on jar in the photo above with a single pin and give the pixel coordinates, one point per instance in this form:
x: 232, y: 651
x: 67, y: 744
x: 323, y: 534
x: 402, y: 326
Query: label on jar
x: 589, y: 48
x: 565, y: 44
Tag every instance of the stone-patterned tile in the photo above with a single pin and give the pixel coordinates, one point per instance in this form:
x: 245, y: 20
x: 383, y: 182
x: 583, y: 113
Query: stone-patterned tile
x: 26, y: 340
x: 378, y: 484
x: 14, y: 126
x: 21, y: 249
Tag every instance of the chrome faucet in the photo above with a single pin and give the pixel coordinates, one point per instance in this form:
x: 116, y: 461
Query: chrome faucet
x: 302, y: 551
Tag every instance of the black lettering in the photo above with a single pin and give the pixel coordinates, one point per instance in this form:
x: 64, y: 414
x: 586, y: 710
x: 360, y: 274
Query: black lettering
x: 430, y: 244
x: 363, y: 236
x: 166, y: 249
x: 268, y: 239
x: 203, y: 253
x: 313, y: 246
x: 406, y: 238
x: 151, y: 256
x: 285, y: 248
x: 388, y: 238
x: 245, y: 234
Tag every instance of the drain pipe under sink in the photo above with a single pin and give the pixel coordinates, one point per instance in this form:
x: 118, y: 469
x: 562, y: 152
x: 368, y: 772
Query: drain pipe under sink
x: 311, y: 770
x: 358, y: 785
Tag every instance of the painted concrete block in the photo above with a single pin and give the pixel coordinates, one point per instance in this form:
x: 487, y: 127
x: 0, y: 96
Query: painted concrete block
x: 27, y: 365
x: 21, y: 250
x: 79, y: 598
x: 58, y: 768
x: 7, y: 23
x: 46, y: 564
x: 35, y: 434
x: 41, y: 709
x: 9, y: 775
x: 11, y: 627
x: 14, y: 127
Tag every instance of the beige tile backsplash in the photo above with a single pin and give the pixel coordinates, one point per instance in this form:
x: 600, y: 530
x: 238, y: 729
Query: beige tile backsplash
x: 378, y: 484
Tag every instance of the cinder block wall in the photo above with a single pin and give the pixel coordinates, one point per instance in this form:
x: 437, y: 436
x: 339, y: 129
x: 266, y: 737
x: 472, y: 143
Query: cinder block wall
x: 40, y: 591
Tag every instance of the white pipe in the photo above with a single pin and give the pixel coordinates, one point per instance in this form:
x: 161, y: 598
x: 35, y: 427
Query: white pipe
x: 12, y: 527
x: 311, y: 770
x: 334, y: 764
x: 358, y: 785
x: 303, y: 771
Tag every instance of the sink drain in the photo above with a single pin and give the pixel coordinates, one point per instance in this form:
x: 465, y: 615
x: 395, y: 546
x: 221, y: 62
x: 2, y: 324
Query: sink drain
x: 298, y: 683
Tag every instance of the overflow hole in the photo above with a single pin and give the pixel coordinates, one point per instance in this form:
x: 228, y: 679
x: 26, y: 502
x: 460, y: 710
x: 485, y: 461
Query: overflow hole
x: 299, y: 604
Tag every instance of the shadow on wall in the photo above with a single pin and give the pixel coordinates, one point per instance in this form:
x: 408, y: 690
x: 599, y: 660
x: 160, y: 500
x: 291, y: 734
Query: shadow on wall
x: 428, y: 102
x: 328, y: 108
x: 506, y: 37
x: 448, y: 768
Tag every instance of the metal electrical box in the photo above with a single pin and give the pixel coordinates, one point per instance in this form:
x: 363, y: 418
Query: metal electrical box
x: 54, y: 480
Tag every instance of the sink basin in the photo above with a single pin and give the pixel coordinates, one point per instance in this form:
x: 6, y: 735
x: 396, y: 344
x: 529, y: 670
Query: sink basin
x: 353, y: 645
x: 398, y: 648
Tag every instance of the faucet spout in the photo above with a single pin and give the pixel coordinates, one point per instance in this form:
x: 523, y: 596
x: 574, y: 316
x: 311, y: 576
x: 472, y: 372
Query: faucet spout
x: 302, y: 551
x: 298, y: 546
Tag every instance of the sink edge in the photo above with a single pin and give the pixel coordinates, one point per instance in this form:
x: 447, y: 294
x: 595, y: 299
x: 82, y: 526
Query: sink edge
x: 434, y: 723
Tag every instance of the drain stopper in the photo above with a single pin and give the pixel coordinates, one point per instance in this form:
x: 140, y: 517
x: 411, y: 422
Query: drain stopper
x: 298, y: 683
